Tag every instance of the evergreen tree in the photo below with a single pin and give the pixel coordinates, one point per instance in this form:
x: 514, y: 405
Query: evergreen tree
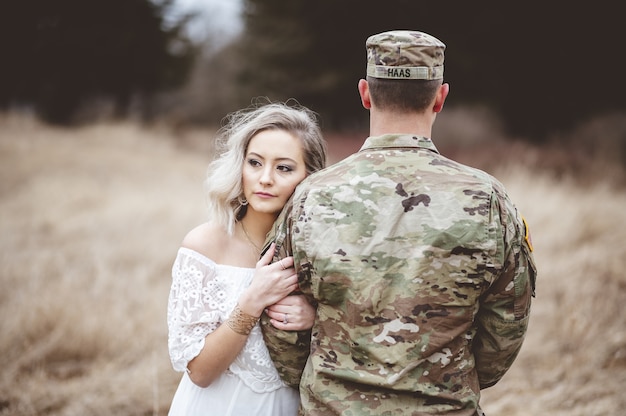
x: 58, y: 54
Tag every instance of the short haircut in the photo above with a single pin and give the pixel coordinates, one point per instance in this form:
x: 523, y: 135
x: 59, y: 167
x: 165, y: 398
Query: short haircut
x: 402, y: 95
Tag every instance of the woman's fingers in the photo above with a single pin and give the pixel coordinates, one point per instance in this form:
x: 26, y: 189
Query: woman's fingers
x: 292, y: 313
x: 267, y: 257
x: 286, y: 263
x: 273, y: 281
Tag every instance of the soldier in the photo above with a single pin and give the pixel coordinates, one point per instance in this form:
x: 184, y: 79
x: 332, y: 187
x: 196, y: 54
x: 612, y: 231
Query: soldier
x: 421, y: 267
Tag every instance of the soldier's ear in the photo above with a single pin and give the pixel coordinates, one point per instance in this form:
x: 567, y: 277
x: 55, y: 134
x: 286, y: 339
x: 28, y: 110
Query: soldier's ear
x: 364, y: 92
x: 440, y: 98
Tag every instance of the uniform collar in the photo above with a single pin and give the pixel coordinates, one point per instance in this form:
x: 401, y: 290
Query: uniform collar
x: 398, y: 141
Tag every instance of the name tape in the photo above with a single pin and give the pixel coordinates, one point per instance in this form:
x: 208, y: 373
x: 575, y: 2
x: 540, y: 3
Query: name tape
x: 405, y: 72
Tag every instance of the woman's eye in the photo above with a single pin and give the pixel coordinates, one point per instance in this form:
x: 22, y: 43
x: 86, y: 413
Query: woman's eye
x: 254, y: 162
x: 285, y: 168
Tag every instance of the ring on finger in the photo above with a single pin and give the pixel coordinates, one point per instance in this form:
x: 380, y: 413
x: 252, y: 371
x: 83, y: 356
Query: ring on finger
x: 281, y: 264
x: 285, y: 319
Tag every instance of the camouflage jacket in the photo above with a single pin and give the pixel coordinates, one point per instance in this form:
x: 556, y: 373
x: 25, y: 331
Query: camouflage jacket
x: 422, y: 272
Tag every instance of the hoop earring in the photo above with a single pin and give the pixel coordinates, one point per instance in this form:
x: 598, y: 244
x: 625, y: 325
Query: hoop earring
x: 242, y: 200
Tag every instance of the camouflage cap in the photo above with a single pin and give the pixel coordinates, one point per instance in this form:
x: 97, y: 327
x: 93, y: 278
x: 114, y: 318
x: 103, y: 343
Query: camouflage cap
x: 404, y: 54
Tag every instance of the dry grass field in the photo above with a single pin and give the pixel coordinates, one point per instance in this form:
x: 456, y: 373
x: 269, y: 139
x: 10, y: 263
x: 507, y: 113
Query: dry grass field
x: 90, y: 221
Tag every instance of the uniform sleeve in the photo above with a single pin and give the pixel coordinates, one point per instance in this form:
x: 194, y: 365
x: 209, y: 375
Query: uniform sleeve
x: 289, y: 349
x: 193, y: 309
x: 502, y: 319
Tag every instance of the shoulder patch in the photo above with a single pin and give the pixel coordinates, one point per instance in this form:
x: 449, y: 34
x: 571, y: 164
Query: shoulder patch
x: 527, y: 236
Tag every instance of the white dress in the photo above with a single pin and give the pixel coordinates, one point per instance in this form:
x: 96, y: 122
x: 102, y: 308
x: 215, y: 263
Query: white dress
x: 202, y: 296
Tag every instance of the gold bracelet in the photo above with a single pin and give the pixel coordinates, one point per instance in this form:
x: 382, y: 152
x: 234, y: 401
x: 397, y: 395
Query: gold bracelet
x: 241, y: 322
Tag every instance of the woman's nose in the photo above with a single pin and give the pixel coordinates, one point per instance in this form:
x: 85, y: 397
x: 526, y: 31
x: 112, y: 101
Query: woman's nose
x: 267, y: 177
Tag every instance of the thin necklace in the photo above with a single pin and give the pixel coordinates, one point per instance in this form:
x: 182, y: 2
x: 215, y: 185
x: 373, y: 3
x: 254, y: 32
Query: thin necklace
x: 249, y: 239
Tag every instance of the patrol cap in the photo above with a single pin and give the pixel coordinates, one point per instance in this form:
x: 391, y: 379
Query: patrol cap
x: 404, y: 54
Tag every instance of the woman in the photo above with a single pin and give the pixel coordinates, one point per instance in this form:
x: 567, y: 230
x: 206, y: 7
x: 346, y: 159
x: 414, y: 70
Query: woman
x: 220, y: 287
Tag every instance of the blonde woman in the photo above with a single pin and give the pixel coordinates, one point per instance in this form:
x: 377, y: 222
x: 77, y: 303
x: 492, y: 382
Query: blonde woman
x: 219, y: 285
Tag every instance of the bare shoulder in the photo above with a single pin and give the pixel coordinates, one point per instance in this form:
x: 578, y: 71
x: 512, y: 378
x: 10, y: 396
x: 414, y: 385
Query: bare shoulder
x: 207, y: 239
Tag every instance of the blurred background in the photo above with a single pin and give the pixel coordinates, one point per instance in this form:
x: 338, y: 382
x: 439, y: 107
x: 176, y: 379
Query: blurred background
x: 108, y: 110
x: 542, y: 68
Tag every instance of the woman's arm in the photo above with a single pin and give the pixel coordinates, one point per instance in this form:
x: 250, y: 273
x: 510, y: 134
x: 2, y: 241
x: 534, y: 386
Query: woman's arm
x: 270, y: 284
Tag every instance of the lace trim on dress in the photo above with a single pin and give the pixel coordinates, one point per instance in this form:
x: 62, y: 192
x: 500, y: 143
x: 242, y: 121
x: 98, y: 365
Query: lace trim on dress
x: 202, y: 296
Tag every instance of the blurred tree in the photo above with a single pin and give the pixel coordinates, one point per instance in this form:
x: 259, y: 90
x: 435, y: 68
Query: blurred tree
x: 301, y: 49
x: 539, y: 65
x: 58, y: 54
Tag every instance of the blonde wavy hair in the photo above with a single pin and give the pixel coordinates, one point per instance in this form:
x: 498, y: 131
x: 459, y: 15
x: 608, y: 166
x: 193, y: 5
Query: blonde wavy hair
x: 224, y: 180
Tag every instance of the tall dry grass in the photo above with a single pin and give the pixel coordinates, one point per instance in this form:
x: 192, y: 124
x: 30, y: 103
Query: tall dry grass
x: 90, y: 220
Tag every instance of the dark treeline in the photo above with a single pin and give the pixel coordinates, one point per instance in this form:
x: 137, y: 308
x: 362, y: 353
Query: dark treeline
x: 542, y: 66
x: 58, y: 54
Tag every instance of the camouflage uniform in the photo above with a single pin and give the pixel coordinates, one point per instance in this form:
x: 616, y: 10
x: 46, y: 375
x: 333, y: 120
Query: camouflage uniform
x: 422, y: 273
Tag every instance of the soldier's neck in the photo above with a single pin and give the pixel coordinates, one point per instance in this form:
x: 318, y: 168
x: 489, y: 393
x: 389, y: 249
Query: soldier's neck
x: 390, y: 123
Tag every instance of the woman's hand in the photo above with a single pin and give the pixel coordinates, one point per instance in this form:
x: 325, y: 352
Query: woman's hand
x: 271, y: 283
x: 292, y: 313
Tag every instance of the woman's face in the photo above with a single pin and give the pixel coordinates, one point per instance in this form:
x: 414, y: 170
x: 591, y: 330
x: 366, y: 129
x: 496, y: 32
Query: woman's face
x: 273, y: 166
